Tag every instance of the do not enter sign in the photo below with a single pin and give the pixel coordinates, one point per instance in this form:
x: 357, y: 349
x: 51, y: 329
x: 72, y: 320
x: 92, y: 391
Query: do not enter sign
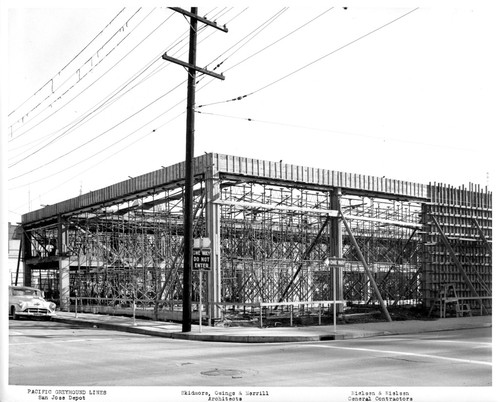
x: 201, y: 259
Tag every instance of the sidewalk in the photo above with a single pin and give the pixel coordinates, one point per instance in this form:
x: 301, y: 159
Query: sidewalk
x: 270, y: 335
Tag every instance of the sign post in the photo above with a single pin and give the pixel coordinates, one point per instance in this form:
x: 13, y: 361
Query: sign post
x: 200, y: 306
x: 335, y: 263
x: 202, y: 261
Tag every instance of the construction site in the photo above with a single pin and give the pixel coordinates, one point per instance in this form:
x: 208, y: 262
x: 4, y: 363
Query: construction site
x: 283, y: 243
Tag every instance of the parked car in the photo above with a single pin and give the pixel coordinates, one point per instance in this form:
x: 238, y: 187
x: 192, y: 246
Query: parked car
x: 29, y: 302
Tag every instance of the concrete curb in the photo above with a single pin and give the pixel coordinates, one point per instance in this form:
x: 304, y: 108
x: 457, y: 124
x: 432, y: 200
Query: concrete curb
x: 209, y: 337
x: 114, y: 327
x: 256, y: 338
x: 245, y: 338
x: 200, y: 336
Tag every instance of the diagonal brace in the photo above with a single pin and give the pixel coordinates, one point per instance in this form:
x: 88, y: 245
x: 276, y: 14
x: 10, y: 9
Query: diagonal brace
x: 367, y: 269
x: 454, y: 257
x: 481, y: 233
x: 306, y: 254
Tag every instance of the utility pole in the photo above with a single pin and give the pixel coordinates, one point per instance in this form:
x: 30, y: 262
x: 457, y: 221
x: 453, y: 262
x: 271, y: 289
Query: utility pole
x: 189, y: 175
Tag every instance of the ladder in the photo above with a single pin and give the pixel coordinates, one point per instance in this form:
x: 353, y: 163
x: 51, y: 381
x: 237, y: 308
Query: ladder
x: 463, y: 308
x: 448, y: 295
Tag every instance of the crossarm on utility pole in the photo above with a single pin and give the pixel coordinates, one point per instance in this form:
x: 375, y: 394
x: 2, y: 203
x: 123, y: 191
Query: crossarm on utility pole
x: 198, y: 18
x: 190, y: 66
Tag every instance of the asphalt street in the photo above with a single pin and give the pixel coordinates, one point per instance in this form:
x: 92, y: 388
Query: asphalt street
x: 45, y: 353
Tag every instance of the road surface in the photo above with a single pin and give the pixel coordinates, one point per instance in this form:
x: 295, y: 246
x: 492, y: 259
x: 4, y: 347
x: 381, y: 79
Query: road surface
x: 50, y: 353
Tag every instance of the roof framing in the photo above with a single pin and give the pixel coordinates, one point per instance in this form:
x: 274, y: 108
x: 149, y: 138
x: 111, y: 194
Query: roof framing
x: 231, y: 167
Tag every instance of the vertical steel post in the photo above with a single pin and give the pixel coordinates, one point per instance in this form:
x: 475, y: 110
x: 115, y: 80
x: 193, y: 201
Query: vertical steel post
x: 213, y: 229
x: 200, y: 305
x: 334, y: 300
x: 336, y: 277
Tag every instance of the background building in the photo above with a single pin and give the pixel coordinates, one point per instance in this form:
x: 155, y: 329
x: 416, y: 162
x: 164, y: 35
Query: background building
x: 15, y: 266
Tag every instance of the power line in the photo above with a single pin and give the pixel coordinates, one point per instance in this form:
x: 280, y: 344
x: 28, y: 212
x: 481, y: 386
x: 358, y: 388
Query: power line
x: 111, y: 98
x: 104, y: 103
x: 107, y: 158
x: 98, y: 136
x: 241, y: 97
x: 78, y: 122
x: 263, y: 26
x: 98, y: 108
x: 346, y: 133
x: 91, y: 140
x: 280, y: 39
x: 247, y: 38
x: 77, y: 73
x: 101, y: 150
x: 61, y: 70
x: 80, y: 78
x: 126, y: 136
x: 115, y: 143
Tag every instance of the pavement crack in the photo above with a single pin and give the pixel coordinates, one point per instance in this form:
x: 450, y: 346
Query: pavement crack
x: 405, y: 360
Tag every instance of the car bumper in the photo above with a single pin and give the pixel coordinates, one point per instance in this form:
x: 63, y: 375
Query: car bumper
x: 36, y: 313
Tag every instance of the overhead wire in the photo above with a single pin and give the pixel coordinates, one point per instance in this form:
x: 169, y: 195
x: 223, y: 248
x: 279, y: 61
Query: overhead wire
x: 162, y: 125
x: 101, y: 135
x: 77, y: 120
x: 108, y: 130
x: 74, y: 85
x: 241, y: 97
x: 123, y: 138
x: 67, y: 64
x: 97, y: 136
x: 78, y: 71
x: 260, y: 29
x: 79, y: 123
x: 276, y: 41
x: 309, y: 128
x: 112, y: 95
x: 114, y: 143
x: 103, y: 160
x: 76, y: 126
x: 104, y: 102
x: 247, y: 38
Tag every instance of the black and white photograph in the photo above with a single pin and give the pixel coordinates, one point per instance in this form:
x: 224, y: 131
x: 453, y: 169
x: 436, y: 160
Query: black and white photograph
x: 281, y: 201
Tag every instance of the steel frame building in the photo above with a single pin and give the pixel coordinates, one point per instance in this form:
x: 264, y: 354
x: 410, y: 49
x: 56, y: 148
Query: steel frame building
x: 279, y: 233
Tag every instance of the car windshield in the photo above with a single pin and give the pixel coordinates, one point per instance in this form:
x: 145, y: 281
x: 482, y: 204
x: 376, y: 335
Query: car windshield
x: 26, y: 292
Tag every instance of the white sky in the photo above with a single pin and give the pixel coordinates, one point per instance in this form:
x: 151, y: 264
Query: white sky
x: 410, y: 97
